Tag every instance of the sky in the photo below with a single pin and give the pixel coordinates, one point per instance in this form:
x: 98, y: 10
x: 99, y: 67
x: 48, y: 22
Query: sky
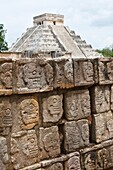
x: 91, y: 19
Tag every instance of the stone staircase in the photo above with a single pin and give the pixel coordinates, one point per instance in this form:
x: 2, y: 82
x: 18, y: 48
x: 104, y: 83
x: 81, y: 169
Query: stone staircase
x: 70, y: 46
x: 87, y: 49
x: 21, y: 40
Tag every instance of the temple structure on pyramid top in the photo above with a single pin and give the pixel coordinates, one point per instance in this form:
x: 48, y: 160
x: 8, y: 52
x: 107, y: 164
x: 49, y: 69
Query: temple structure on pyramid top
x: 49, y: 36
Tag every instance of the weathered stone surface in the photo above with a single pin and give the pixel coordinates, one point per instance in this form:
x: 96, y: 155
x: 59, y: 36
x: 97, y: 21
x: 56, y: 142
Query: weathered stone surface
x: 100, y: 158
x: 63, y: 73
x: 56, y: 166
x: 102, y: 126
x: 73, y: 163
x: 111, y: 98
x: 77, y: 104
x: 29, y: 111
x: 25, y: 113
x: 83, y: 73
x: 52, y: 108
x: 4, y: 158
x: 100, y: 99
x: 6, y: 81
x: 49, y: 142
x: 24, y: 149
x: 76, y: 135
x: 5, y: 116
x: 105, y: 71
x: 34, y: 76
x: 6, y: 76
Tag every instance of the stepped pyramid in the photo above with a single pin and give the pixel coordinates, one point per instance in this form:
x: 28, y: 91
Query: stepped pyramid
x: 50, y: 36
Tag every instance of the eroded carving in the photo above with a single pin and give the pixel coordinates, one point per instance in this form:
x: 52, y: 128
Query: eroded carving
x: 84, y: 130
x: 6, y: 76
x: 90, y: 161
x: 76, y: 135
x: 73, y: 163
x: 68, y: 71
x: 103, y: 126
x: 29, y: 111
x: 49, y: 142
x: 56, y: 166
x: 101, y: 97
x: 24, y: 149
x: 32, y: 75
x: 35, y: 75
x: 88, y: 71
x: 105, y: 71
x: 77, y: 104
x: 64, y: 74
x: 4, y: 158
x: 52, y: 108
x: 103, y: 159
x: 83, y: 73
x: 5, y: 116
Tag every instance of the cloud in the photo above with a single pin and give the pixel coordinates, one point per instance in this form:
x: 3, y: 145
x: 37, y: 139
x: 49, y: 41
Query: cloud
x: 93, y: 20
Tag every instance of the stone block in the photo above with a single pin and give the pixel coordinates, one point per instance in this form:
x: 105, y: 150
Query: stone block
x: 6, y: 76
x: 34, y: 76
x: 24, y: 149
x: 105, y: 71
x: 98, y: 157
x: 112, y: 97
x: 84, y: 74
x: 25, y: 113
x: 100, y: 99
x: 77, y: 104
x: 73, y: 163
x: 63, y: 73
x: 6, y: 117
x: 49, y: 142
x: 52, y: 108
x: 76, y: 135
x: 102, y: 127
x: 4, y: 157
x: 56, y: 166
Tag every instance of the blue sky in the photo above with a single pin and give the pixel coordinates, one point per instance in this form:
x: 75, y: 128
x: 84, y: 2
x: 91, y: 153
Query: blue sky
x: 91, y: 19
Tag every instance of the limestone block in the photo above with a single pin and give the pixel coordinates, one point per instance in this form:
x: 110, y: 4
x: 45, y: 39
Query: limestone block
x: 102, y: 127
x: 5, y: 116
x: 25, y: 113
x: 63, y: 73
x: 97, y: 159
x: 73, y: 163
x: 112, y: 98
x: 56, y: 166
x: 29, y: 111
x: 100, y: 99
x: 24, y: 149
x: 76, y: 135
x: 83, y: 73
x: 34, y: 76
x: 103, y: 158
x: 90, y: 161
x: 105, y: 71
x: 52, y: 108
x: 6, y: 81
x: 111, y: 154
x: 49, y: 142
x: 77, y: 104
x: 4, y: 158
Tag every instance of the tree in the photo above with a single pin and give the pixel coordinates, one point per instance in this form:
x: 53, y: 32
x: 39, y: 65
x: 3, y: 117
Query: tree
x: 3, y: 43
x: 107, y: 52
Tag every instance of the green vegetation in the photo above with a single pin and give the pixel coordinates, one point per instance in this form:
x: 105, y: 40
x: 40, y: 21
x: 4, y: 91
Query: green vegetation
x: 3, y: 43
x: 107, y: 52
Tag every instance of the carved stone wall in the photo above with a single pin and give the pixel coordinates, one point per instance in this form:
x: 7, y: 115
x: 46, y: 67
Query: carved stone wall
x: 56, y: 114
